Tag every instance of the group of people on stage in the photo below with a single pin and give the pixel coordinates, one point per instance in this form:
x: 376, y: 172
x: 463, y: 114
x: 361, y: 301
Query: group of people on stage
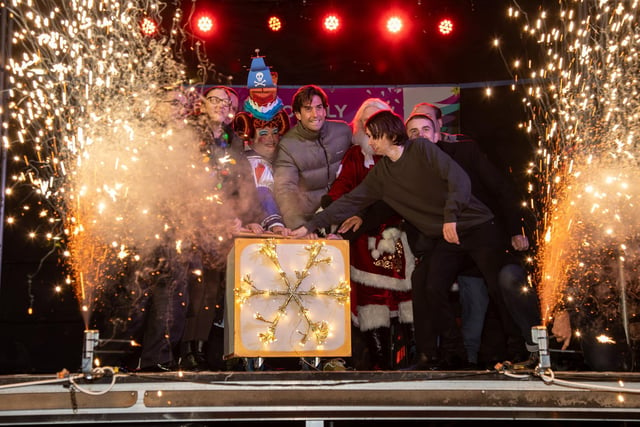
x: 424, y: 211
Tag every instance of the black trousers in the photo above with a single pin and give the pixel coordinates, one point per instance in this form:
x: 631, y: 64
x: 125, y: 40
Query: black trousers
x: 206, y: 299
x: 440, y: 264
x: 164, y: 322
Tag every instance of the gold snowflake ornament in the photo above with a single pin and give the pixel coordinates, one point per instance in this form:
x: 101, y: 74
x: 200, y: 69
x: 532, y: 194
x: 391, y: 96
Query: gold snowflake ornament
x: 290, y: 298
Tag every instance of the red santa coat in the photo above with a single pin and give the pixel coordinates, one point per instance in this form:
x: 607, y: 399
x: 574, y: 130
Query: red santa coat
x: 381, y: 262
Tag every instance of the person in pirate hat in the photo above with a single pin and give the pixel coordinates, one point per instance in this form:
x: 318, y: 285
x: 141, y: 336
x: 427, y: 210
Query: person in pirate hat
x: 261, y: 125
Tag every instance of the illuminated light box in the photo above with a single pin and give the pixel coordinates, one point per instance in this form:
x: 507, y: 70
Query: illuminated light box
x: 287, y: 297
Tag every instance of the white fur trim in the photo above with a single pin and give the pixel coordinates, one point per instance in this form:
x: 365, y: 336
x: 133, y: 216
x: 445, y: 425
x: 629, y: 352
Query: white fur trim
x: 405, y: 311
x: 368, y: 160
x: 373, y: 317
x: 408, y: 256
x: 380, y: 281
x: 354, y: 320
x: 386, y: 282
x: 391, y: 233
x: 387, y: 243
x: 386, y: 246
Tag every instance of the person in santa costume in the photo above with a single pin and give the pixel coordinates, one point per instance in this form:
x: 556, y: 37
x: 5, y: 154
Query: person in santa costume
x: 381, y: 261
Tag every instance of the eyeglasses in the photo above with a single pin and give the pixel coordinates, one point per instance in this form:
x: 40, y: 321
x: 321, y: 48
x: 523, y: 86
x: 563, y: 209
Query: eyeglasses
x: 216, y: 101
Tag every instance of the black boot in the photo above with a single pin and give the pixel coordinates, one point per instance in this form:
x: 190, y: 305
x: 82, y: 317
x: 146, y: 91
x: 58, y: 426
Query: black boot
x: 379, y: 344
x: 423, y: 362
x: 404, y: 345
x: 193, y: 358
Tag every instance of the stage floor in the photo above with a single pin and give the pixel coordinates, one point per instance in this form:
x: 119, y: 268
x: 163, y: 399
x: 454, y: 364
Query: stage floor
x: 185, y: 398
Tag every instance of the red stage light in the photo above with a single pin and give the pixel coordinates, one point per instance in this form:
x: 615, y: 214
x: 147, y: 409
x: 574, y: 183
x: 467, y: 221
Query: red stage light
x: 331, y: 23
x: 445, y: 27
x: 394, y: 24
x: 205, y: 24
x: 148, y: 27
x: 274, y: 23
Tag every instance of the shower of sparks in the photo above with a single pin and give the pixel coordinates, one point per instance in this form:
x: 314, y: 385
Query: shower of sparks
x: 586, y: 116
x: 116, y: 171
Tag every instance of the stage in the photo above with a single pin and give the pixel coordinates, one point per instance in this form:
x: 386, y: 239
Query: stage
x: 316, y: 398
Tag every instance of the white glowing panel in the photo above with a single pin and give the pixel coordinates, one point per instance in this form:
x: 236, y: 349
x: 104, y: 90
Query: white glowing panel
x: 288, y: 297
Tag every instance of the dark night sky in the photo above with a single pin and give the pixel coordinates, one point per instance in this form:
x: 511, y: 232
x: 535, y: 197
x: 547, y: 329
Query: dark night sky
x: 50, y: 339
x: 360, y: 53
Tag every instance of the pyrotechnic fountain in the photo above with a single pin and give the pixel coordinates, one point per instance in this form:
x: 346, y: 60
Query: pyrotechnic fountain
x: 586, y: 181
x: 118, y: 175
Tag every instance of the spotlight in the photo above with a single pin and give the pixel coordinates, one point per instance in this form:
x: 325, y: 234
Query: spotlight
x: 394, y: 24
x: 331, y: 23
x: 445, y: 26
x: 148, y: 27
x: 205, y: 24
x: 274, y: 23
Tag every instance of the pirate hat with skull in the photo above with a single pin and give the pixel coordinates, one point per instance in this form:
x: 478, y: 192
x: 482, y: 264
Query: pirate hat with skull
x: 262, y: 108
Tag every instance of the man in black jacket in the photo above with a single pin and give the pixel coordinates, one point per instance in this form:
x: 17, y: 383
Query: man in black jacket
x: 516, y: 302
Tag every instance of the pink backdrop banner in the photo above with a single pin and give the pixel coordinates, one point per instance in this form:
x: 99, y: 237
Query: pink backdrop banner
x: 344, y: 101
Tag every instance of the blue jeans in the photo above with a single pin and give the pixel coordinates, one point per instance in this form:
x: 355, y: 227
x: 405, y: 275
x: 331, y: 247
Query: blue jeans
x: 474, y: 299
x: 521, y: 306
x: 520, y: 301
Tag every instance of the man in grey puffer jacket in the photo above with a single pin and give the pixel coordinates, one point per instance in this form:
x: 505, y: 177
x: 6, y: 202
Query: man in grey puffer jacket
x: 308, y: 156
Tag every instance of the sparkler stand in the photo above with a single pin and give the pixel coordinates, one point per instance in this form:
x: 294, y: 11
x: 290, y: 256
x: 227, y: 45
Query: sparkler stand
x: 91, y: 338
x: 540, y: 337
x: 6, y: 28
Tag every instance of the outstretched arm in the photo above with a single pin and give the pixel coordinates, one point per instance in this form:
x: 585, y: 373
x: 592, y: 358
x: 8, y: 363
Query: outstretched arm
x: 286, y: 191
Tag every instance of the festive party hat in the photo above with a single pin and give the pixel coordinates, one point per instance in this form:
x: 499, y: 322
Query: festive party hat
x: 263, y: 102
